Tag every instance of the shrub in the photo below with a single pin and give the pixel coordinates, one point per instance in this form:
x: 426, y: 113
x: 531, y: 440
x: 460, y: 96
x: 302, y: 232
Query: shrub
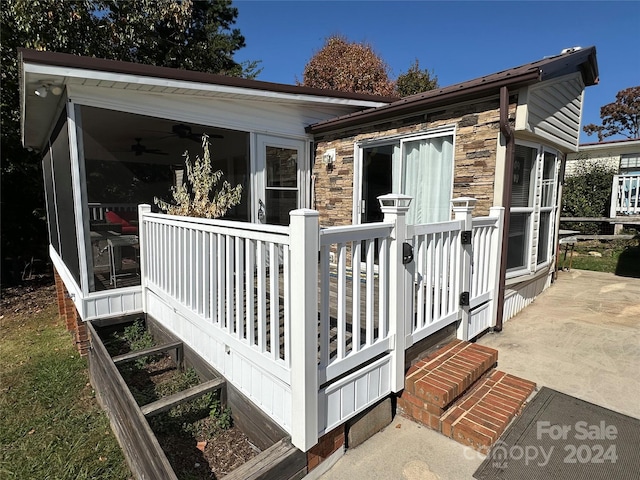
x: 587, y: 194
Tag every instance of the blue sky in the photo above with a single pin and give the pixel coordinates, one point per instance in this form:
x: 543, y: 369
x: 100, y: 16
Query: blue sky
x: 457, y: 40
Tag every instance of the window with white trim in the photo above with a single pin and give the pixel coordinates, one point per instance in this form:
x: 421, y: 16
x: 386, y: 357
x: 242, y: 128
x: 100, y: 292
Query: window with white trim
x: 533, y: 208
x: 630, y: 164
x: 419, y: 165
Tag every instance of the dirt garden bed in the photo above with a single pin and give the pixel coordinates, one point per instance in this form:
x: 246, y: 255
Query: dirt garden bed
x: 198, y: 437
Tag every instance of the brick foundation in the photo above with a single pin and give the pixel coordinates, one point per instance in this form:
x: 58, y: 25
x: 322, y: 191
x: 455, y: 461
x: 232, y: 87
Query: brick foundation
x: 327, y: 444
x: 68, y: 311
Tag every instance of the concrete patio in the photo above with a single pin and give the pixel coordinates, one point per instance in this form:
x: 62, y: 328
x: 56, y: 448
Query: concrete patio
x: 580, y: 337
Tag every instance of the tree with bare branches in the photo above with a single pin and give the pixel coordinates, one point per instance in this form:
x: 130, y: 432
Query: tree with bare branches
x: 621, y: 117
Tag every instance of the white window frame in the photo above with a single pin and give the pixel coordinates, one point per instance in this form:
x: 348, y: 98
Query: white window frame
x: 399, y: 140
x: 535, y: 209
x: 552, y: 209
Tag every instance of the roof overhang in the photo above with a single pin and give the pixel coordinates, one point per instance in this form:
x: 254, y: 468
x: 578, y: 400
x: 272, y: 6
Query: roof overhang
x: 574, y: 60
x: 620, y: 146
x: 64, y: 70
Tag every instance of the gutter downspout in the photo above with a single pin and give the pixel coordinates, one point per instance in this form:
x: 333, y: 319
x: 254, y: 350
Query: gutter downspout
x: 509, y: 137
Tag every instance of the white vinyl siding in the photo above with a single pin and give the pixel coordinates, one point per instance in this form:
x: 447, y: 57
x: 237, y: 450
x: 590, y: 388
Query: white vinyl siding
x: 552, y: 110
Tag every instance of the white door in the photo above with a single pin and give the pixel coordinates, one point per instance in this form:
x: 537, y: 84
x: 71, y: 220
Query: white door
x: 280, y: 167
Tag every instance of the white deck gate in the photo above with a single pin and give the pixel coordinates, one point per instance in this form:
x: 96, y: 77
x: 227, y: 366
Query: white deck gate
x: 312, y: 324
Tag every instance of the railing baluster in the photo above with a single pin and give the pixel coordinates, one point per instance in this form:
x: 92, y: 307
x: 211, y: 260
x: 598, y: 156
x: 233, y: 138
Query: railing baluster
x: 213, y: 273
x: 325, y: 342
x: 221, y: 279
x: 229, y: 283
x: 355, y: 289
x: 239, y: 277
x: 286, y: 303
x: 437, y: 275
x: 383, y: 290
x: 430, y: 284
x: 342, y: 300
x: 274, y: 301
x: 250, y: 281
x: 262, y: 297
x: 370, y: 291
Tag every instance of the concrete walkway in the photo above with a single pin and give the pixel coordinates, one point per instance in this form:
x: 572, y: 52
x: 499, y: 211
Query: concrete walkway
x: 581, y: 337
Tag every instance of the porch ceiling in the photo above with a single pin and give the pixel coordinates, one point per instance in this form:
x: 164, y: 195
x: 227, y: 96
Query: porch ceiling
x: 155, y: 134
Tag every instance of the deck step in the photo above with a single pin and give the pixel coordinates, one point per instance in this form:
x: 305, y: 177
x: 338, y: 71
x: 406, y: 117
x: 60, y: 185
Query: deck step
x: 483, y: 413
x: 170, y: 401
x: 458, y: 392
x: 127, y: 357
x: 443, y: 376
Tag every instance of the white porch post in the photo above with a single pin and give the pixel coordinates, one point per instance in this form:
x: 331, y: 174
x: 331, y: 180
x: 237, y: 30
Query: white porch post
x: 304, y: 328
x: 496, y: 255
x: 395, y: 207
x: 142, y: 246
x: 615, y: 197
x: 462, y: 209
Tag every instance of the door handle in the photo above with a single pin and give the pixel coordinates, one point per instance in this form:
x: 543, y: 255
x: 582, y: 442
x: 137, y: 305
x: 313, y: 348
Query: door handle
x: 260, y: 210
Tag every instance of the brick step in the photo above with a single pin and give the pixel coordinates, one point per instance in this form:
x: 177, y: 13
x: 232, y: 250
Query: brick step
x: 482, y: 414
x: 442, y: 377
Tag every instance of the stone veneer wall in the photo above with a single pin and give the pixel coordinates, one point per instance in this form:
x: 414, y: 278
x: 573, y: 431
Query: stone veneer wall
x: 477, y: 130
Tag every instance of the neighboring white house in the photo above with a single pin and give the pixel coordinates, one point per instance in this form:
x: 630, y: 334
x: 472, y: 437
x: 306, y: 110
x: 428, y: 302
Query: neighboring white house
x: 621, y: 156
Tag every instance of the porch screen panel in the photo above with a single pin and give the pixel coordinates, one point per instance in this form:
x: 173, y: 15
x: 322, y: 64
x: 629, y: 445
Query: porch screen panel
x: 52, y: 217
x: 427, y: 176
x: 64, y: 198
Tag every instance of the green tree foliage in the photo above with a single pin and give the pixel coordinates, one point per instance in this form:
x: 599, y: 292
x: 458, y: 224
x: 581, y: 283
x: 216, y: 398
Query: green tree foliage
x: 415, y: 81
x: 621, y: 117
x: 197, y: 35
x: 587, y: 193
x: 198, y: 197
x: 349, y: 67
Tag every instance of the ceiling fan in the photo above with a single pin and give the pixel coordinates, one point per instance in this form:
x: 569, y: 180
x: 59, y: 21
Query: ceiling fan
x: 184, y: 131
x: 138, y: 149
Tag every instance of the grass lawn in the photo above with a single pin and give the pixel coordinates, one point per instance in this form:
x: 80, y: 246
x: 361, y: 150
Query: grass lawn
x: 51, y: 426
x: 621, y: 257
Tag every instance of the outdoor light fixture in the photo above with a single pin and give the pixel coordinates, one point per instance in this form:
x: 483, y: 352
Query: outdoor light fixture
x: 44, y: 90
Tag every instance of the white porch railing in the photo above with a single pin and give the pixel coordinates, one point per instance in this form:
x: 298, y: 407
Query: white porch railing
x: 437, y: 277
x: 625, y: 195
x: 312, y: 324
x: 353, y: 296
x: 236, y: 279
x: 97, y: 211
x: 487, y: 251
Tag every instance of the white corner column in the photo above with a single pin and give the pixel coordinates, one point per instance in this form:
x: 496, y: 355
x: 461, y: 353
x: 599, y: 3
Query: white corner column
x: 462, y: 209
x: 304, y: 327
x: 395, y: 208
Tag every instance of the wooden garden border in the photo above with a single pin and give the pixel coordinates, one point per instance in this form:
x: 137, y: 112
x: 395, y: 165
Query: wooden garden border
x: 279, y: 460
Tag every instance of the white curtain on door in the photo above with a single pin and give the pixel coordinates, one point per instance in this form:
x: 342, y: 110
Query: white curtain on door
x: 427, y: 176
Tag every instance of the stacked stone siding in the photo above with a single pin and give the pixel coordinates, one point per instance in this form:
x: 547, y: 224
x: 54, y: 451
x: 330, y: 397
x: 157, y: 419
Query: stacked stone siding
x: 476, y: 143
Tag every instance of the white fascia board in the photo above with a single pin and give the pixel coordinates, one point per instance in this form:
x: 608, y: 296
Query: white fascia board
x: 621, y: 147
x: 49, y: 71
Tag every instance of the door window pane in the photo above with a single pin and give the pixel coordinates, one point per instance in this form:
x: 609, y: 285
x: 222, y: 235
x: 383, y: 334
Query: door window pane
x: 282, y: 167
x: 376, y: 180
x: 279, y: 204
